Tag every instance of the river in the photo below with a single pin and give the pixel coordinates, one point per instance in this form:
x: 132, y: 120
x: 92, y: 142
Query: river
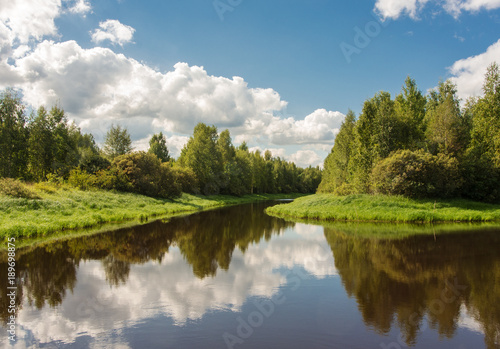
x: 238, y: 278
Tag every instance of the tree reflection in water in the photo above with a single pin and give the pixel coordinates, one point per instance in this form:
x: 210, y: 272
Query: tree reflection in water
x: 405, y: 280
x: 206, y: 240
x: 403, y: 283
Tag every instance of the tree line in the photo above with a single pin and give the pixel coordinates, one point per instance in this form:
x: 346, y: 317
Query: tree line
x: 420, y: 145
x: 46, y: 146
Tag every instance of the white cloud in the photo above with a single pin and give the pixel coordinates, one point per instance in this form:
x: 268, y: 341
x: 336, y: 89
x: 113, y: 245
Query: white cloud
x: 305, y: 158
x: 27, y: 19
x: 468, y: 74
x: 395, y: 8
x: 98, y: 87
x: 81, y: 7
x: 319, y: 127
x: 114, y: 31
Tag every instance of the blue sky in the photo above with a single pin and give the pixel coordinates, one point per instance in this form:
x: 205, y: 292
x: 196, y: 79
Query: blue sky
x: 140, y: 63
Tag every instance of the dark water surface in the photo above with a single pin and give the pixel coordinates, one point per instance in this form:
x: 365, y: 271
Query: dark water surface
x: 237, y: 278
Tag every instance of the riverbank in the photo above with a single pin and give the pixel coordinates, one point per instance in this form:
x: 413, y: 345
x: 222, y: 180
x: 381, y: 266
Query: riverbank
x: 381, y: 208
x: 63, y: 208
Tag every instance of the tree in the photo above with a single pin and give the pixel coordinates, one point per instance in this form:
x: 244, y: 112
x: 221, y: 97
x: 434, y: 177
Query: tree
x: 225, y: 147
x: 52, y: 144
x: 410, y: 107
x: 13, y: 136
x: 117, y: 142
x: 447, y: 130
x: 158, y: 147
x: 336, y: 168
x: 485, y: 134
x: 40, y: 145
x: 202, y: 156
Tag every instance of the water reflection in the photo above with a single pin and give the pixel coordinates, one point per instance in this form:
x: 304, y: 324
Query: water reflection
x: 91, y: 291
x: 185, y: 268
x: 452, y: 280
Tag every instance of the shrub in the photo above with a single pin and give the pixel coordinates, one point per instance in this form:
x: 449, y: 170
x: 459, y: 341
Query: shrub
x: 186, y: 177
x: 16, y: 188
x: 46, y: 187
x: 144, y: 174
x: 81, y: 179
x: 416, y: 174
x: 112, y: 179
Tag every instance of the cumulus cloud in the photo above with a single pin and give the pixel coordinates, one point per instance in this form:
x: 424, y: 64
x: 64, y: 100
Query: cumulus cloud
x: 114, y: 31
x: 395, y: 8
x: 305, y: 158
x: 468, y: 74
x: 81, y: 7
x: 27, y: 19
x: 98, y: 87
x: 319, y: 127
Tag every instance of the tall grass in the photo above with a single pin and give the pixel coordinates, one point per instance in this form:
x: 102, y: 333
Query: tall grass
x: 381, y: 208
x: 56, y: 208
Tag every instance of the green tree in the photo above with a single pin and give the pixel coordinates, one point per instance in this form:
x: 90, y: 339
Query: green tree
x: 410, y: 107
x: 486, y: 120
x: 447, y: 129
x: 13, y: 136
x: 336, y: 168
x: 481, y: 166
x: 202, y: 156
x: 158, y: 147
x: 117, y: 142
x: 40, y: 145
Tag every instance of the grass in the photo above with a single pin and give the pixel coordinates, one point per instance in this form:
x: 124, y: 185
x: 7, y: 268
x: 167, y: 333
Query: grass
x: 60, y: 208
x: 381, y: 208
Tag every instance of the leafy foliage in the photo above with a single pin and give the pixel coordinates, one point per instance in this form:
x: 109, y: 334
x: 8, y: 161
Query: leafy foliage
x: 16, y: 188
x: 158, y: 147
x: 416, y: 174
x: 420, y: 146
x: 117, y: 142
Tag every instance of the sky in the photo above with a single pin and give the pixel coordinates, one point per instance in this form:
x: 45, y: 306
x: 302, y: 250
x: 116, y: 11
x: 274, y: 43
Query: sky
x: 279, y: 74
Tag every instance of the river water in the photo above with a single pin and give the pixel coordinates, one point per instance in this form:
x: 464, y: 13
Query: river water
x: 237, y: 278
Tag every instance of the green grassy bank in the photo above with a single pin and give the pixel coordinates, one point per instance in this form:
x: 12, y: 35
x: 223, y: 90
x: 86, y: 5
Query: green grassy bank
x: 380, y: 208
x: 55, y: 209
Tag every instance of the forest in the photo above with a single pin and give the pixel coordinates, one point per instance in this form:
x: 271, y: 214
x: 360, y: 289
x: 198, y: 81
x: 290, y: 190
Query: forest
x: 420, y: 146
x: 45, y: 146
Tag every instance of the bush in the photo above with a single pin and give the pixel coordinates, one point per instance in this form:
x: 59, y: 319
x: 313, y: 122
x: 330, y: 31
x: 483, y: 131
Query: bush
x: 46, y: 187
x: 186, y: 177
x: 16, y: 188
x: 81, y: 179
x: 416, y: 174
x: 144, y: 174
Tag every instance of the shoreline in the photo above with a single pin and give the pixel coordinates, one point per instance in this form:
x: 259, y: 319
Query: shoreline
x: 64, y: 210
x: 385, y: 209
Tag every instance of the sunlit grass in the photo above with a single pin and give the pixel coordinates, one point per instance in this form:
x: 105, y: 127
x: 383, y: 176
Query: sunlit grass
x: 61, y: 208
x: 380, y: 208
